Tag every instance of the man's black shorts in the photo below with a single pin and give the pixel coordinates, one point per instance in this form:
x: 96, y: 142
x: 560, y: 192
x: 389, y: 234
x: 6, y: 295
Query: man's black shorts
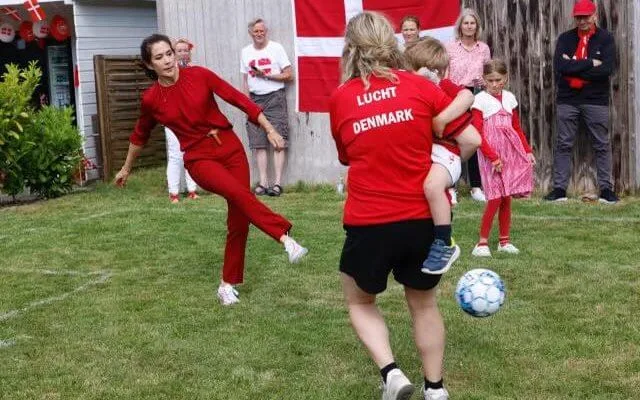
x: 371, y: 252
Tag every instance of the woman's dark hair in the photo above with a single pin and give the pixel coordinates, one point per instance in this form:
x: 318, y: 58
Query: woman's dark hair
x: 145, y: 52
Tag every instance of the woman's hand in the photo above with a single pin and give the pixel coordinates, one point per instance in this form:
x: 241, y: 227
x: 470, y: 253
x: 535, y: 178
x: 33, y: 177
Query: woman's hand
x: 273, y: 136
x: 276, y: 140
x: 121, y: 177
x: 497, y: 165
x: 532, y: 158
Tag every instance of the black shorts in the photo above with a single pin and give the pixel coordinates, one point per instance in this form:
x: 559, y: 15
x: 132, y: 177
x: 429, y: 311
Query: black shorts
x: 371, y: 252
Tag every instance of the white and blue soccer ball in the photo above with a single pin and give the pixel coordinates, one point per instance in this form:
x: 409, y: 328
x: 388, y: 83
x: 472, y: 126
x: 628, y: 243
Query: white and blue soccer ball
x: 480, y: 292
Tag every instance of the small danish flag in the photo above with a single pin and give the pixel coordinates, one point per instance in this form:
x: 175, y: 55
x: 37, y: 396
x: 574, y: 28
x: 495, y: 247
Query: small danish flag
x: 11, y: 12
x: 35, y: 10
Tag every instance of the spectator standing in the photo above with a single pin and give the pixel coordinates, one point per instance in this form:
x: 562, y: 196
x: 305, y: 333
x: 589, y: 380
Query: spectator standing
x: 410, y: 29
x: 265, y: 68
x: 583, y: 62
x: 467, y: 55
x: 506, y: 159
x: 175, y: 162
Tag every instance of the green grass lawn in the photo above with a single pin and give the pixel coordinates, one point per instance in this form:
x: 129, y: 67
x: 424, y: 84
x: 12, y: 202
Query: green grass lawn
x: 109, y: 294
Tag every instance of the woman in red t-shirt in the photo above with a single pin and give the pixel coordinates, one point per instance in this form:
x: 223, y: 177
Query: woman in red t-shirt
x: 182, y: 100
x: 381, y: 121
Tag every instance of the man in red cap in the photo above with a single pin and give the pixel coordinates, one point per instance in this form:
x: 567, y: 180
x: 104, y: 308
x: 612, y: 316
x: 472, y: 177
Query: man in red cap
x: 583, y: 62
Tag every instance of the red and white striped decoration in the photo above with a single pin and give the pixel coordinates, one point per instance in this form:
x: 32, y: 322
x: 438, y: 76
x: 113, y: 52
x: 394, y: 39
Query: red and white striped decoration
x: 11, y: 12
x: 35, y: 10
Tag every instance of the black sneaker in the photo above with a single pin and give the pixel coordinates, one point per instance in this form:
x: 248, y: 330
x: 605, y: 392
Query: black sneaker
x: 607, y: 196
x: 556, y: 194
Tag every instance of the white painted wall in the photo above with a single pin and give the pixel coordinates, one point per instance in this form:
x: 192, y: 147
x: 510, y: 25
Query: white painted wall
x: 105, y: 28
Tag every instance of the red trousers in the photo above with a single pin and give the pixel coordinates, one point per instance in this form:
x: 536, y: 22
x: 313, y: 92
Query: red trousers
x: 504, y: 218
x: 224, y: 170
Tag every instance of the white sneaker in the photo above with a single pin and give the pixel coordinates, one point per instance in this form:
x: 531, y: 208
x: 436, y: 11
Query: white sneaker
x: 508, y: 248
x: 294, y: 250
x: 398, y: 387
x: 481, y: 250
x: 435, y: 394
x: 227, y: 294
x: 478, y: 195
x: 454, y: 196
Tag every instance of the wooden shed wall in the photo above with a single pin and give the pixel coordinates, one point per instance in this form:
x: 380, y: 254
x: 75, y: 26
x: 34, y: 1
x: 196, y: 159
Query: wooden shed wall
x: 105, y: 27
x: 219, y: 31
x: 523, y: 30
x: 524, y: 33
x: 634, y: 29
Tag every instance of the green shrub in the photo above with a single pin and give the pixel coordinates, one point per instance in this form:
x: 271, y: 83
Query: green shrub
x: 16, y: 88
x: 40, y: 149
x: 49, y: 166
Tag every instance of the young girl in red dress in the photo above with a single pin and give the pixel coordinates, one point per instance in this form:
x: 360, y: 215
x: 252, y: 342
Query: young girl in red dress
x: 506, y: 160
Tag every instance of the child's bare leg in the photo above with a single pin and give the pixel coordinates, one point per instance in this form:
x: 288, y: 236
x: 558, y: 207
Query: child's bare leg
x: 468, y: 141
x: 435, y: 187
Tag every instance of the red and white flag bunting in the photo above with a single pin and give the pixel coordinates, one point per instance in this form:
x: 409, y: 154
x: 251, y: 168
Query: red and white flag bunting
x: 35, y: 10
x: 319, y: 38
x: 11, y: 12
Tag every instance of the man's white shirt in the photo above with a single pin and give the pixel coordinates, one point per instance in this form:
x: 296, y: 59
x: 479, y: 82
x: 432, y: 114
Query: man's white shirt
x: 271, y: 59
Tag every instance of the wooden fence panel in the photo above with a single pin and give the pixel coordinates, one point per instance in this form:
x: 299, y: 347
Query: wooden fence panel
x: 120, y: 83
x: 524, y: 33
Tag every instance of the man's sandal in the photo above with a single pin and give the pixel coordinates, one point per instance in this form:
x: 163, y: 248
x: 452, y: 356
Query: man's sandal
x: 260, y: 190
x: 275, y: 190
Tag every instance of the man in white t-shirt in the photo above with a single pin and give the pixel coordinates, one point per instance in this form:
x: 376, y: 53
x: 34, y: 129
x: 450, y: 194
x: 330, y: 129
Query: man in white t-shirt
x: 265, y: 68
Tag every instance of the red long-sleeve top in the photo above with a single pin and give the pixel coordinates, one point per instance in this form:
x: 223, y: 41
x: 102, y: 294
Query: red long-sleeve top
x: 485, y: 148
x: 384, y: 134
x: 458, y: 125
x: 188, y: 107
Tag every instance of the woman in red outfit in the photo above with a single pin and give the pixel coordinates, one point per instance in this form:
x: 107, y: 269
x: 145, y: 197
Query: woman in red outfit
x: 381, y: 120
x: 182, y: 100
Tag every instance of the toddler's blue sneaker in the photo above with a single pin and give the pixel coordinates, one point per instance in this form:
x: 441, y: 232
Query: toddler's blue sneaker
x: 441, y: 257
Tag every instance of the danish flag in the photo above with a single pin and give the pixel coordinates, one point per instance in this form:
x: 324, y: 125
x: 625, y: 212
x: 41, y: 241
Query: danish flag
x: 319, y: 38
x: 11, y: 12
x: 35, y: 10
